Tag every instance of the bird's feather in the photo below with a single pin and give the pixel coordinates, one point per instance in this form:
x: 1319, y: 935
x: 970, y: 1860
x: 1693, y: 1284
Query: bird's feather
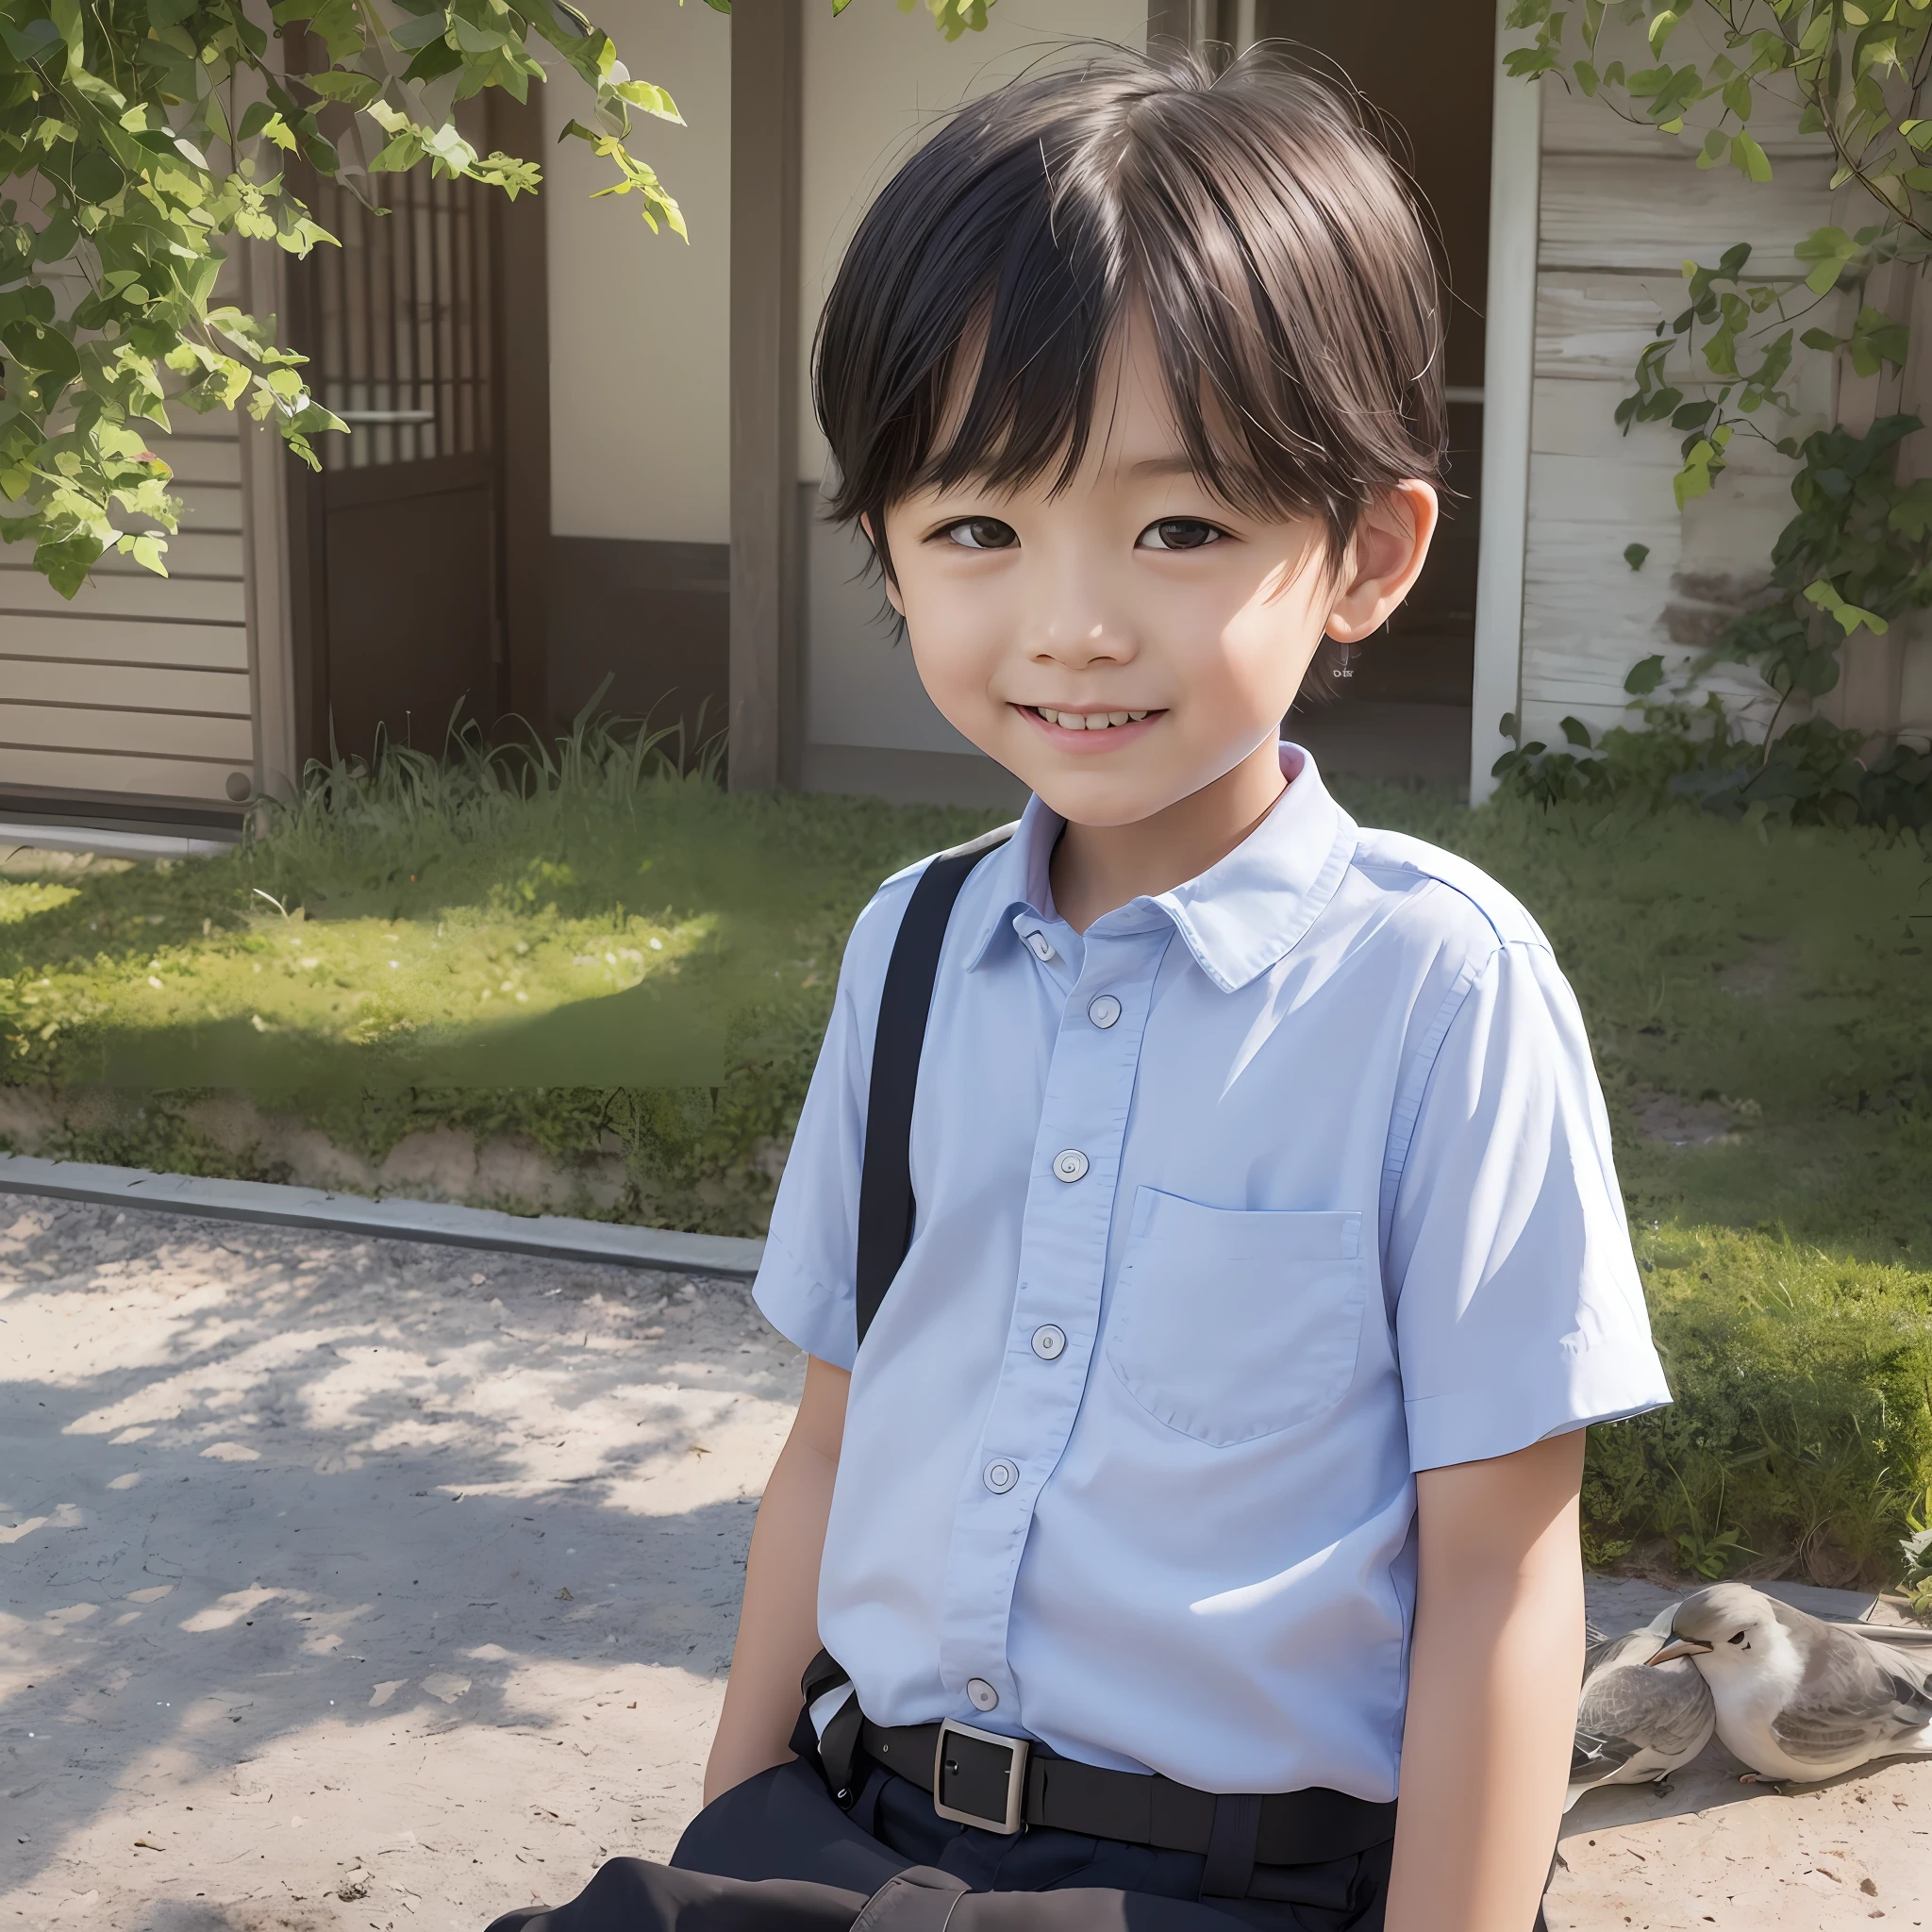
x: 1855, y: 1690
x: 1667, y: 1708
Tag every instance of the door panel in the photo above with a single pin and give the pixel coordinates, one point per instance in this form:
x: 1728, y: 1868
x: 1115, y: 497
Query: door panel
x: 407, y: 642
x: 399, y: 577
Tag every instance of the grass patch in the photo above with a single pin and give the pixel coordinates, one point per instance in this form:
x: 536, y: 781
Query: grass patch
x: 1755, y: 997
x: 596, y: 953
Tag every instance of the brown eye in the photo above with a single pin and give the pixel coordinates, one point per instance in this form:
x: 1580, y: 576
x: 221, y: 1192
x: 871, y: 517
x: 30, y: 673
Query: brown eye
x: 982, y: 533
x: 1180, y: 533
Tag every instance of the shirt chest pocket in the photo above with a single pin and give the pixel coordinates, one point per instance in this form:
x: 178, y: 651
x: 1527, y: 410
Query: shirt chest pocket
x: 1228, y: 1323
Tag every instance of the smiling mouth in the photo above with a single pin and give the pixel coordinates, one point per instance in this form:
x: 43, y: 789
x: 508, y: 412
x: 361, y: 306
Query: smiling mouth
x: 1087, y: 721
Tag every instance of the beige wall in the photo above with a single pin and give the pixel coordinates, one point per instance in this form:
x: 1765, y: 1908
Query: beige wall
x: 874, y: 81
x: 640, y: 324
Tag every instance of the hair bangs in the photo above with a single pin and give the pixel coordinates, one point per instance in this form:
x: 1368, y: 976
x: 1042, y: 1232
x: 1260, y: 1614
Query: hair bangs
x: 1272, y: 248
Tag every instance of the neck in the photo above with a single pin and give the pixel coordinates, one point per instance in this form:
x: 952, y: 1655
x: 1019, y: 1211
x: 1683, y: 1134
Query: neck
x: 1097, y: 868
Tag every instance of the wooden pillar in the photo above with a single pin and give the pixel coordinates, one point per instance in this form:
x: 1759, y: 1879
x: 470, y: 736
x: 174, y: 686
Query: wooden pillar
x: 766, y: 59
x: 1508, y: 392
x: 520, y: 301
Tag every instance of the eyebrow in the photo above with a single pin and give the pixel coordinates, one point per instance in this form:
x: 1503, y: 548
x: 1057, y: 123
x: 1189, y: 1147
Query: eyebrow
x: 1176, y: 464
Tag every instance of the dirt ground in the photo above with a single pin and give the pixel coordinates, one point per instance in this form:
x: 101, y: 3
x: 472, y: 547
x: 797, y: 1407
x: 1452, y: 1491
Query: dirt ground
x: 354, y: 1584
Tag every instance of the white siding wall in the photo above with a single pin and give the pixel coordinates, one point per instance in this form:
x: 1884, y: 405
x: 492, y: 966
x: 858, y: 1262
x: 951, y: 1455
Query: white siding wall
x: 139, y: 684
x: 1621, y: 208
x: 640, y: 324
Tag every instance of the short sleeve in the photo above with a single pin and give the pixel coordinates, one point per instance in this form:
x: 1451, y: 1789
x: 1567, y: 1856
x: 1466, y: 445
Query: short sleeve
x: 807, y: 1284
x: 1519, y: 1312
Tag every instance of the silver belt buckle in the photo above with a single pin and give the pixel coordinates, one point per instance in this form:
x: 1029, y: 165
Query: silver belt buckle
x: 970, y: 1764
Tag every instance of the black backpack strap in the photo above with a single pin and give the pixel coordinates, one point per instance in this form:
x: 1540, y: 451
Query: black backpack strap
x: 885, y: 1185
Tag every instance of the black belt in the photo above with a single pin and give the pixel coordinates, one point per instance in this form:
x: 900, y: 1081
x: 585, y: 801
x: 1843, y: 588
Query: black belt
x: 1001, y: 1784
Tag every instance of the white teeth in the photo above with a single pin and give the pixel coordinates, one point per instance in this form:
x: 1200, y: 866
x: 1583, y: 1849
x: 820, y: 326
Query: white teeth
x: 1086, y: 720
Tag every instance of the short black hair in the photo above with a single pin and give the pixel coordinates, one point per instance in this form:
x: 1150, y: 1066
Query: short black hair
x: 1276, y: 247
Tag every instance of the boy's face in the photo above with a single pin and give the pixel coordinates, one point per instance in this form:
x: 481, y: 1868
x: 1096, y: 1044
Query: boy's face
x: 1122, y: 645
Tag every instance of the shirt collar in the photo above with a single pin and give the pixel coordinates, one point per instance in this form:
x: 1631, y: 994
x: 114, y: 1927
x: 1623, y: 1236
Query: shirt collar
x: 1241, y: 916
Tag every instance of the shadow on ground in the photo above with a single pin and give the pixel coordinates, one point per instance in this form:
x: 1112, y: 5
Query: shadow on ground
x: 324, y: 1557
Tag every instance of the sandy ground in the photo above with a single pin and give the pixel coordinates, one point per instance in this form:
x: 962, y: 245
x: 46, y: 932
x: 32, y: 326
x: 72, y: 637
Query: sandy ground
x: 356, y: 1584
x: 352, y: 1584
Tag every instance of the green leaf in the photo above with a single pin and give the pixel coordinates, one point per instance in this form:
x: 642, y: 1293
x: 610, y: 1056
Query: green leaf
x: 1645, y: 675
x: 434, y: 26
x: 1662, y: 27
x: 1829, y: 250
x: 1701, y: 460
x: 146, y: 551
x: 1749, y: 160
x: 1877, y: 339
x: 653, y: 100
x: 1634, y: 556
x: 1577, y: 732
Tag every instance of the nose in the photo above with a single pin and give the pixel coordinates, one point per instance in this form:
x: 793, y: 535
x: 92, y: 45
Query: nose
x: 1079, y: 623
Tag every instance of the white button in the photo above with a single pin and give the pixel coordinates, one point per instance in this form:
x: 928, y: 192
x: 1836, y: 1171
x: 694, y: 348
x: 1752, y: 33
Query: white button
x: 1069, y: 1164
x: 1040, y: 947
x: 1049, y: 1343
x: 982, y: 1693
x: 1105, y: 1010
x: 1001, y: 1476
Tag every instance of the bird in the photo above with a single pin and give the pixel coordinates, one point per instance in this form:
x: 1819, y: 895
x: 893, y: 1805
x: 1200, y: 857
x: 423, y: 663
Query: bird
x: 1636, y: 1725
x: 1797, y: 1698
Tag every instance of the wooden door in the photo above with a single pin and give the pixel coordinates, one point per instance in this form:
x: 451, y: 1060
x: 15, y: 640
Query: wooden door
x: 398, y: 568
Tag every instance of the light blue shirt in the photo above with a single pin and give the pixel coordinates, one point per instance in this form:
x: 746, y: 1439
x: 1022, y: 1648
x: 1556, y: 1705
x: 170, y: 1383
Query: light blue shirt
x: 1233, y: 1213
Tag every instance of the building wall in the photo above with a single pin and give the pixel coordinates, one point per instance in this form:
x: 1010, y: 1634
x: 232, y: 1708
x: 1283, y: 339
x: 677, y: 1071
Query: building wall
x: 1621, y: 208
x: 875, y: 81
x: 639, y: 382
x: 640, y: 386
x: 139, y: 685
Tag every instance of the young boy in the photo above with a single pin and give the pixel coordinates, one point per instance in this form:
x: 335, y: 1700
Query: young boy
x: 1214, y: 1455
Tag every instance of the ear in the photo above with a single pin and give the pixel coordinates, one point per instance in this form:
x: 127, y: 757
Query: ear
x: 1389, y: 546
x: 892, y: 596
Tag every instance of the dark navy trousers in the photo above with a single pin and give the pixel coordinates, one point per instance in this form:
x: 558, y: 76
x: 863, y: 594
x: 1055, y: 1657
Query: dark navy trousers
x: 777, y: 1855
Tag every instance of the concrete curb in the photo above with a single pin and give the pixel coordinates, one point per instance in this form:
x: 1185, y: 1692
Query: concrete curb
x: 556, y: 1236
x: 145, y: 846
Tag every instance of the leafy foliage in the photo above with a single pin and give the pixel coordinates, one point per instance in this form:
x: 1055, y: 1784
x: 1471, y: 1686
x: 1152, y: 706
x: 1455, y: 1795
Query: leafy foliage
x: 1854, y: 74
x: 1858, y: 553
x: 1915, y: 1549
x: 140, y: 137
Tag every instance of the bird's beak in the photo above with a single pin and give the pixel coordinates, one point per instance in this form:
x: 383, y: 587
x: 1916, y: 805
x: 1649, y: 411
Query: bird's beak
x: 1679, y: 1646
